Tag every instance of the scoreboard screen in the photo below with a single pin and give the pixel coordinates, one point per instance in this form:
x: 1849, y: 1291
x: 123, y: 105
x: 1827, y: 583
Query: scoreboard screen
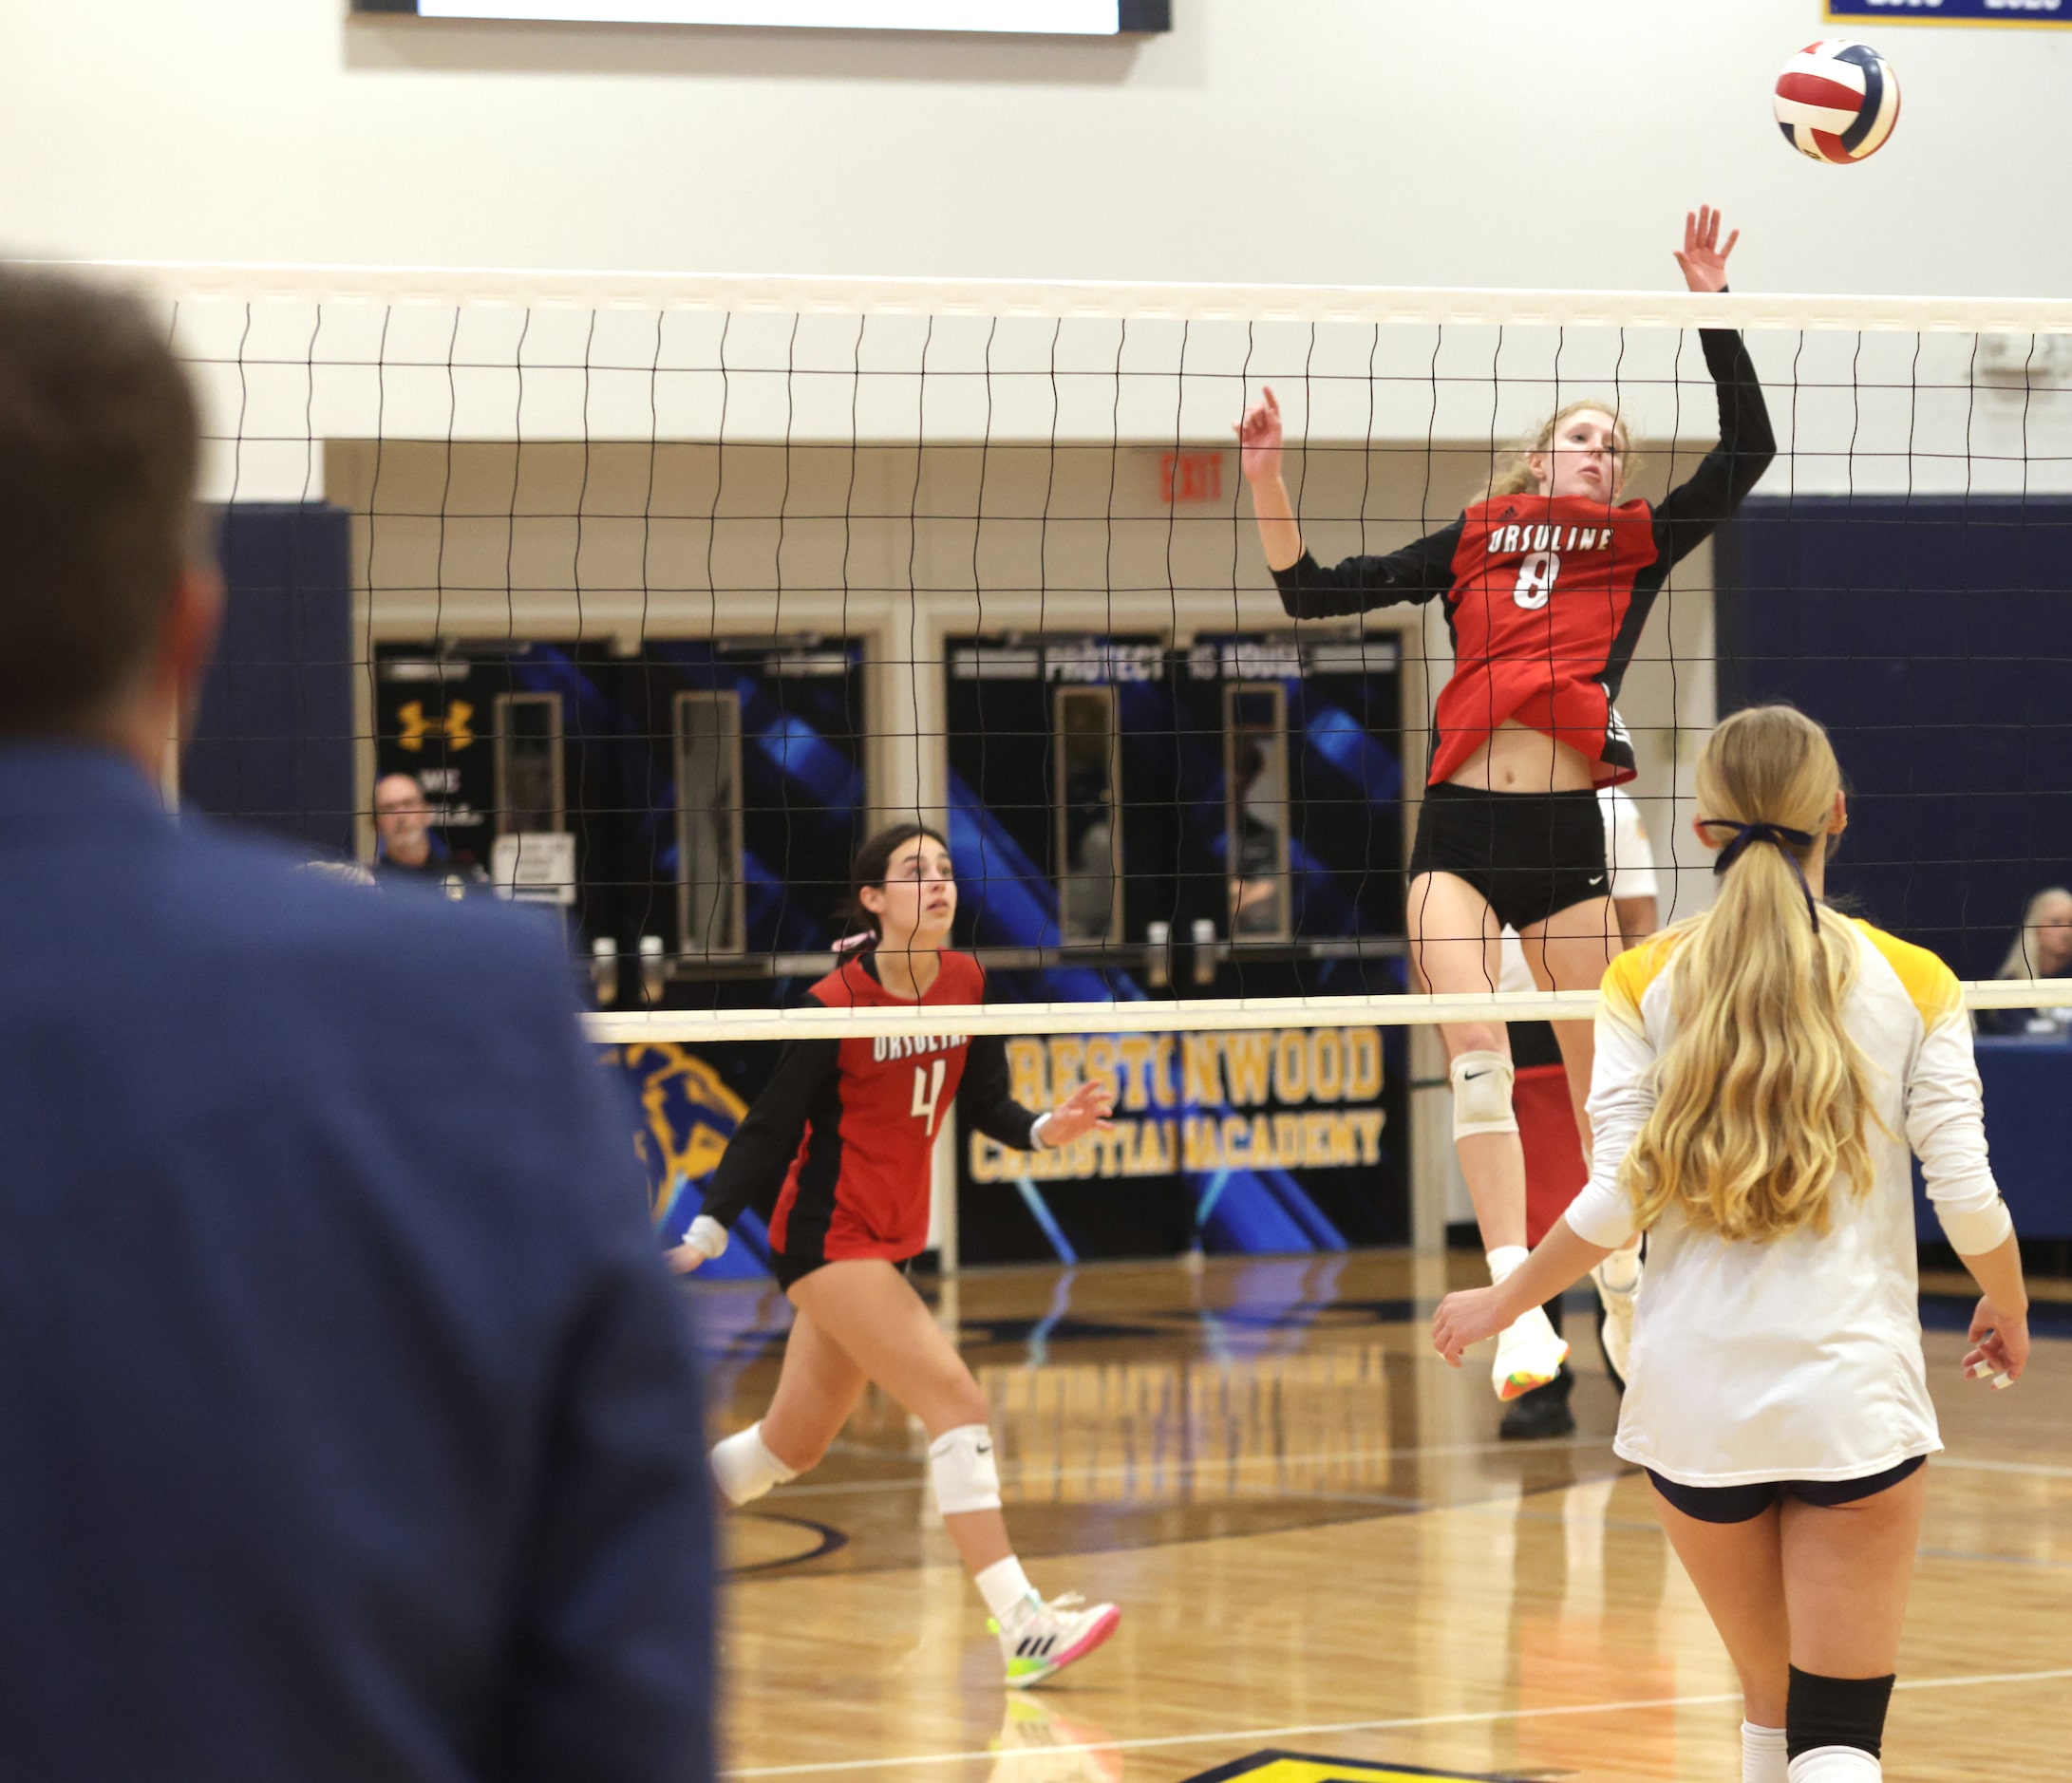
x: 1049, y: 18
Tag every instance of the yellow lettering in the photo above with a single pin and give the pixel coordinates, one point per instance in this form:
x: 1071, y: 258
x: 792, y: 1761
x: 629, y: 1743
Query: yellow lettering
x: 1026, y: 1074
x: 1292, y: 1066
x: 1247, y: 1059
x: 1317, y: 1141
x: 1199, y: 1150
x: 1327, y: 1064
x: 1362, y: 1063
x: 1263, y: 1156
x: 1288, y: 1140
x: 1366, y: 1127
x: 1067, y: 1056
x: 1199, y: 1051
x: 1236, y: 1130
x: 1162, y: 1071
x: 1135, y: 1050
x: 1114, y: 1147
x: 1101, y: 1064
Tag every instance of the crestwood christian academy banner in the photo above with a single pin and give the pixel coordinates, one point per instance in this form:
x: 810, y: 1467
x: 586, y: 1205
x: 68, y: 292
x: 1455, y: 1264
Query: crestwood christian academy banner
x: 1953, y: 12
x: 1259, y: 1140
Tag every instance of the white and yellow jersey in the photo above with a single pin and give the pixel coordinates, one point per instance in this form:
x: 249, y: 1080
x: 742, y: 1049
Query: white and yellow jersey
x: 1799, y: 1358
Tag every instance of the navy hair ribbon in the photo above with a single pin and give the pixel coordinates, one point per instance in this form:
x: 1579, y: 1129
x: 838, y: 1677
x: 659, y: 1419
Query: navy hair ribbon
x: 1782, y: 839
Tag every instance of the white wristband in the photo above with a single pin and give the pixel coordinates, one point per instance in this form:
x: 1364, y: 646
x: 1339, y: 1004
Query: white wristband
x: 707, y: 1237
x: 1036, y: 1132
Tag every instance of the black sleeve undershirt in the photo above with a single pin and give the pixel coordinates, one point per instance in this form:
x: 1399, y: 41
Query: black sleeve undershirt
x: 751, y: 1169
x: 984, y: 1098
x: 1690, y: 512
x: 1418, y: 572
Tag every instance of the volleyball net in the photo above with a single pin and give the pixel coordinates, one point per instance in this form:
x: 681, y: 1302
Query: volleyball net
x: 664, y: 593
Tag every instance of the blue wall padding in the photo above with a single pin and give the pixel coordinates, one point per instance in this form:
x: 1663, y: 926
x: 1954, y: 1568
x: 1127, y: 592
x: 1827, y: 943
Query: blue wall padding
x: 272, y: 743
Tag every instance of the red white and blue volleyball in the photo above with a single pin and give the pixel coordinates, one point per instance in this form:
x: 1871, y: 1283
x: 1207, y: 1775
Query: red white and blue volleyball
x: 1838, y: 101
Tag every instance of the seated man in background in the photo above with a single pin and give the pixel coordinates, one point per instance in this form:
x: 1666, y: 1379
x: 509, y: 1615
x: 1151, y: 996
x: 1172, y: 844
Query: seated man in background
x: 407, y: 848
x: 352, y: 1423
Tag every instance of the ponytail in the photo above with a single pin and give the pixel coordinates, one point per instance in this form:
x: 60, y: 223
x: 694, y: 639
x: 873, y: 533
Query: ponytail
x: 1763, y: 1097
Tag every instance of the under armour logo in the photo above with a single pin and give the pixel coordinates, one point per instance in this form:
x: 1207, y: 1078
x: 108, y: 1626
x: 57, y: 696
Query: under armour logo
x: 453, y: 726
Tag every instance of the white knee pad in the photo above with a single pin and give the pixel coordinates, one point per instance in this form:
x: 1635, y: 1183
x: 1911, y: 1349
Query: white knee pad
x: 1481, y: 1095
x: 744, y: 1467
x: 961, y: 1463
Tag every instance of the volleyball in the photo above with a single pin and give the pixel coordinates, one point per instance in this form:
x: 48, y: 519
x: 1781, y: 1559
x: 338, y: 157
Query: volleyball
x: 1838, y: 101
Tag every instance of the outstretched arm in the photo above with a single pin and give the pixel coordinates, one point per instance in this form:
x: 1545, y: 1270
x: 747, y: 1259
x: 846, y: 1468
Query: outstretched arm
x: 1260, y: 453
x: 987, y: 1102
x: 1689, y: 513
x: 1308, y: 590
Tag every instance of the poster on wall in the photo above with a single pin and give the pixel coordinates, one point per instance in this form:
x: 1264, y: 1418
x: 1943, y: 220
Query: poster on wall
x: 1952, y: 12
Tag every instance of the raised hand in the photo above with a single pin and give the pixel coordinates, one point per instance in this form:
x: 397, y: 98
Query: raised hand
x: 2000, y: 1346
x: 1703, y: 260
x: 1085, y: 1109
x: 1259, y: 439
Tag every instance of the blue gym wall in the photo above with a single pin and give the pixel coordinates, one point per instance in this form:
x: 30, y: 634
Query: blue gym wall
x: 1930, y: 636
x: 273, y: 744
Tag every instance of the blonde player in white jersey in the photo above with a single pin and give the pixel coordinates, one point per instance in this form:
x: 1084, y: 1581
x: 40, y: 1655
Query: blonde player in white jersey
x: 1762, y: 1074
x: 1635, y: 890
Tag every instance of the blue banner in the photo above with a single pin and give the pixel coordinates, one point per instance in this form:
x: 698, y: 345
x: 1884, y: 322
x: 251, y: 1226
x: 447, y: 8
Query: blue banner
x: 1953, y: 12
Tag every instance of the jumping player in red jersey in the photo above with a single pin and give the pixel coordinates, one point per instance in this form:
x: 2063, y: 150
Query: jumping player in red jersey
x: 1547, y: 583
x: 842, y: 1141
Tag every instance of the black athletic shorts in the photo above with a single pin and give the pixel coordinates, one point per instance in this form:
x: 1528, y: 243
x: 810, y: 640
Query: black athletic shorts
x: 1739, y: 1504
x: 790, y: 1269
x: 1529, y: 853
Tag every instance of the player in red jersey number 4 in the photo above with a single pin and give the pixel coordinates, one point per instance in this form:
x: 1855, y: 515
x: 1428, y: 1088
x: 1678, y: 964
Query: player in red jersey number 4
x: 1546, y: 583
x: 841, y: 1141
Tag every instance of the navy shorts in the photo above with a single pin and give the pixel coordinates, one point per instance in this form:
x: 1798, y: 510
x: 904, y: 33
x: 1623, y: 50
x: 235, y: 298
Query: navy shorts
x: 1740, y: 1504
x: 1530, y: 854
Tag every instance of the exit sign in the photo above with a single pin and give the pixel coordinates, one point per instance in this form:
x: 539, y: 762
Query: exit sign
x: 1189, y: 477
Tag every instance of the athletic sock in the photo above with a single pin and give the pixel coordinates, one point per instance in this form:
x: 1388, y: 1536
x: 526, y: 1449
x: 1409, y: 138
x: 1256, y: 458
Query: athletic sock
x: 1763, y: 1756
x: 744, y: 1469
x: 1834, y: 1764
x: 1007, y: 1590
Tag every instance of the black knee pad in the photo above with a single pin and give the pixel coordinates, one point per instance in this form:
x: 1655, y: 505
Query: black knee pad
x: 1835, y: 1712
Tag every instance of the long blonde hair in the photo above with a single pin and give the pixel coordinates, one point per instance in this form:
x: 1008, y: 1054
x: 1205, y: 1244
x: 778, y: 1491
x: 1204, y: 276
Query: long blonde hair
x: 1515, y: 475
x: 2021, y: 957
x: 1763, y: 1097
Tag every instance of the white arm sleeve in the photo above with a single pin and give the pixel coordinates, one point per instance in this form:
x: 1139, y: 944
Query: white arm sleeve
x: 1631, y: 858
x: 1622, y: 1095
x: 1946, y: 1126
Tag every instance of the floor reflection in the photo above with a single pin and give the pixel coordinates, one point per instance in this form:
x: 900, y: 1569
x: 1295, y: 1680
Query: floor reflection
x: 1147, y: 1403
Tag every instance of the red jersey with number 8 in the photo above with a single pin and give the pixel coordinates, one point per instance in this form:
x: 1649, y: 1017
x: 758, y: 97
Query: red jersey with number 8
x: 1544, y: 621
x: 1546, y: 598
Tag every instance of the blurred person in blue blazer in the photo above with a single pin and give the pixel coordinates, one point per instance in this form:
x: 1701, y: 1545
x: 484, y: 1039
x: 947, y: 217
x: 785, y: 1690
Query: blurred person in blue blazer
x: 350, y: 1425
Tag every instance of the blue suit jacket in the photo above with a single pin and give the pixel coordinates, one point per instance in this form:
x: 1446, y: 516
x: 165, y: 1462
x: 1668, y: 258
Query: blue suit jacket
x: 349, y: 1423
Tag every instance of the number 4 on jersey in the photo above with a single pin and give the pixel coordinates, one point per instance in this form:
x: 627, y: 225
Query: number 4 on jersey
x: 927, y: 1093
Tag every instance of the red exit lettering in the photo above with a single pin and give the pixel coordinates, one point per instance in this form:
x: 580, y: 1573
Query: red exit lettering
x: 1190, y: 477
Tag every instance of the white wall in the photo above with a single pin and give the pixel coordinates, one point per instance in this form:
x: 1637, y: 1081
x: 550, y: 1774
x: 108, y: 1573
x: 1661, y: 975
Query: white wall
x: 1505, y: 142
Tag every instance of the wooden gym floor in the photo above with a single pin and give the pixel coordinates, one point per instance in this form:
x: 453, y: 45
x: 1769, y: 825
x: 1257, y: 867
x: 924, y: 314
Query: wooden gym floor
x: 1320, y: 1547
